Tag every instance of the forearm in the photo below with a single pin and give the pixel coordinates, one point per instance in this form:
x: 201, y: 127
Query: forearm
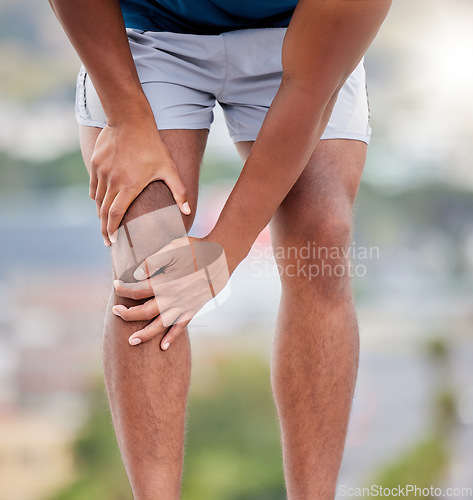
x: 97, y: 32
x: 129, y: 152
x: 324, y: 43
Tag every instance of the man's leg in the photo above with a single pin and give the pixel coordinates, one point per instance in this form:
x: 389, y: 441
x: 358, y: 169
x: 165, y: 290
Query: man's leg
x: 315, y: 357
x: 147, y: 387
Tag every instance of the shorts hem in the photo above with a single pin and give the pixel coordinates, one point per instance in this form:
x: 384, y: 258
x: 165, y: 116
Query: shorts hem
x: 90, y: 123
x: 353, y: 137
x: 244, y: 137
x: 341, y: 135
x: 186, y: 126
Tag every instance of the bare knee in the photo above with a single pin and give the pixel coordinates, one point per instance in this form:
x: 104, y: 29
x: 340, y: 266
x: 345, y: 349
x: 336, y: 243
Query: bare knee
x: 153, y: 197
x: 313, y: 254
x: 151, y: 221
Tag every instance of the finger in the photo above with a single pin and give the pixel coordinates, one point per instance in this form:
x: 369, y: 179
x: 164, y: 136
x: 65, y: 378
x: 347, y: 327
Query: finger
x: 148, y: 332
x: 120, y: 205
x: 100, y: 194
x: 146, y: 311
x: 93, y: 185
x: 178, y: 190
x: 173, y: 333
x: 159, y: 259
x: 135, y: 291
x: 104, y: 210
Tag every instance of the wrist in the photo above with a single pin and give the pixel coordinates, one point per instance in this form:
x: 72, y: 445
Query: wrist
x: 137, y: 110
x: 236, y: 249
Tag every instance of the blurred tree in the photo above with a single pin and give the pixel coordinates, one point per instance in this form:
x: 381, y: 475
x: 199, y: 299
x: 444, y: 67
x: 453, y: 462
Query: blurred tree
x: 217, y: 167
x: 17, y: 174
x: 100, y: 472
x: 425, y: 463
x: 233, y: 450
x: 68, y: 170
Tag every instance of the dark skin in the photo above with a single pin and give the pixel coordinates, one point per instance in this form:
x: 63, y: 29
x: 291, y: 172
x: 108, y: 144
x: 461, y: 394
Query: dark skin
x: 324, y: 43
x: 307, y: 188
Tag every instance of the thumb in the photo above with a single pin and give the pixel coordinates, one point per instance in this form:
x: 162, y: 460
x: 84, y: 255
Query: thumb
x: 159, y: 259
x: 178, y: 190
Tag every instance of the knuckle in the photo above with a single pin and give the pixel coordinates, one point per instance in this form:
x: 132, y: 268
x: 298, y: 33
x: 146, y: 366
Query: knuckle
x: 129, y: 185
x: 128, y: 182
x: 94, y: 163
x: 174, y: 335
x: 149, y: 332
x: 113, y: 178
x: 149, y: 315
x: 181, y: 191
x: 115, y: 212
x: 102, y: 169
x: 103, y: 213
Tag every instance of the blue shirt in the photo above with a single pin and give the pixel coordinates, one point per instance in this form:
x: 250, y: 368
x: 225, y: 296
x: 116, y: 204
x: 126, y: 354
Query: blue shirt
x: 206, y: 17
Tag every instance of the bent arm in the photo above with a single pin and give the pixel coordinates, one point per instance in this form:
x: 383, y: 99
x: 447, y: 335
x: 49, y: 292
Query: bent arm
x: 97, y: 32
x: 129, y: 153
x: 324, y: 43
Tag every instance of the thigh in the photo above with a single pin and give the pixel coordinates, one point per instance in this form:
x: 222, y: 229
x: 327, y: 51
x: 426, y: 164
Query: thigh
x: 324, y: 194
x: 312, y: 228
x: 326, y: 190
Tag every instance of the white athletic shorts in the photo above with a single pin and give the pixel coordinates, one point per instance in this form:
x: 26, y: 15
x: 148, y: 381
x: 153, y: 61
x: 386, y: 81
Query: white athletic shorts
x: 183, y: 75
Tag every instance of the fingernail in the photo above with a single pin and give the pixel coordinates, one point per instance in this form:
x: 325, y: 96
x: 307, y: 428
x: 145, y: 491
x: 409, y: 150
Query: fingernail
x: 117, y: 283
x: 135, y: 341
x: 186, y: 208
x: 139, y: 274
x: 113, y: 237
x: 106, y: 242
x: 165, y: 346
x: 115, y: 311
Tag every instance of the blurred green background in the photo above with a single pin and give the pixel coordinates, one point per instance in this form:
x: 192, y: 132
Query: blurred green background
x: 412, y: 419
